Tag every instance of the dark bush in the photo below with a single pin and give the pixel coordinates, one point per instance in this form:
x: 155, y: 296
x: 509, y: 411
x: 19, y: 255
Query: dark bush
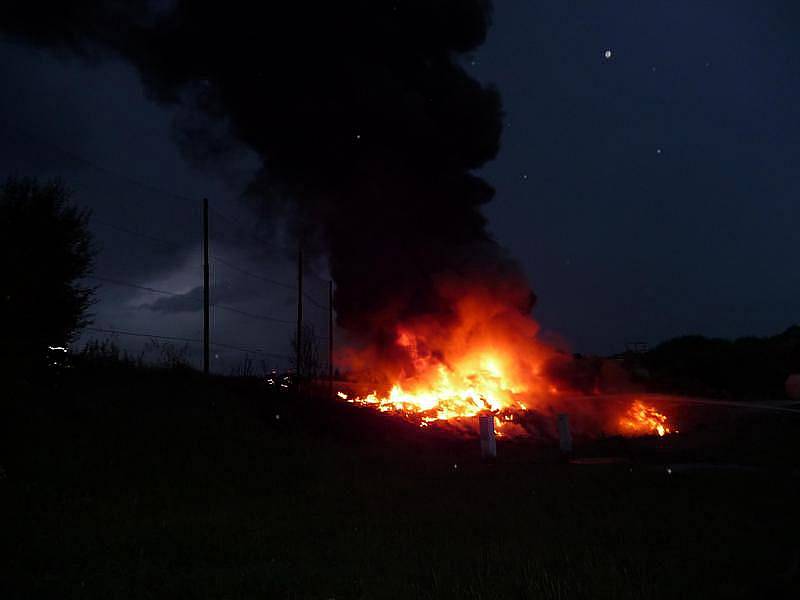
x: 45, y: 251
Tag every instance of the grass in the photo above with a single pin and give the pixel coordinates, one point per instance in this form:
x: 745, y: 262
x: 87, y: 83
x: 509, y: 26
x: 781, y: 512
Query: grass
x: 157, y: 484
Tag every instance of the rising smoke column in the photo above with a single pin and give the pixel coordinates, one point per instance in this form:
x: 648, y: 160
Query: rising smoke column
x: 367, y: 128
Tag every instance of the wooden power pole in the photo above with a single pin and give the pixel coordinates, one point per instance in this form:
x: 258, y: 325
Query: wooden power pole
x: 330, y: 338
x: 206, y: 295
x: 299, y: 335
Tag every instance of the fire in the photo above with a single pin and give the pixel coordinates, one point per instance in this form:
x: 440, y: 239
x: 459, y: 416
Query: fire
x: 482, y: 358
x: 641, y: 419
x: 474, y: 385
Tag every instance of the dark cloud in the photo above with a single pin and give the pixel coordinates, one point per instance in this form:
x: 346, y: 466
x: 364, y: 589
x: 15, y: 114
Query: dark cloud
x: 191, y: 301
x: 367, y: 127
x: 224, y: 291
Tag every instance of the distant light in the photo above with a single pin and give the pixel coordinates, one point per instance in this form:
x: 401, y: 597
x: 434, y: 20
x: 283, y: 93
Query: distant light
x: 658, y: 151
x: 58, y: 348
x: 608, y: 54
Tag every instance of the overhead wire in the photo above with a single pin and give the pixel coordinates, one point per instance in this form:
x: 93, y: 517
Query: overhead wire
x: 38, y: 139
x: 145, y: 236
x: 251, y: 274
x: 251, y: 315
x: 133, y: 285
x: 186, y: 340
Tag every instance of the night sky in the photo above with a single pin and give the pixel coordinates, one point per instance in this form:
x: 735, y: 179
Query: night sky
x: 648, y: 195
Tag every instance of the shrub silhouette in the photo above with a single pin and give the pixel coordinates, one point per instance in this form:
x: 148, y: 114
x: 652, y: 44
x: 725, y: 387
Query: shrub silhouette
x: 45, y: 250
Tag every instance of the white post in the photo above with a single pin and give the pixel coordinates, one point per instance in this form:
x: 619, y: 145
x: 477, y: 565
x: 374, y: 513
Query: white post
x: 565, y: 437
x: 488, y: 443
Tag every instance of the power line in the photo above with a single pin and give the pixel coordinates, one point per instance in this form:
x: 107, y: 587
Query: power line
x: 251, y: 350
x: 105, y: 170
x: 251, y: 315
x: 143, y: 185
x: 165, y: 292
x: 90, y: 163
x: 168, y: 293
x: 132, y: 285
x: 182, y: 339
x: 251, y: 274
x: 236, y: 223
x: 309, y: 273
x: 143, y: 335
x: 314, y: 302
x: 145, y: 236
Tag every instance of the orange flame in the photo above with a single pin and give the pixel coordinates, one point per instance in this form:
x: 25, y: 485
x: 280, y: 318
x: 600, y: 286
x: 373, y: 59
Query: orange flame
x: 641, y: 419
x: 485, y: 359
x: 480, y: 357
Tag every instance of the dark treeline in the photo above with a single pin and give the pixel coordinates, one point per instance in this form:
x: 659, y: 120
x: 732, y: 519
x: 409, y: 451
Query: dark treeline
x: 746, y: 368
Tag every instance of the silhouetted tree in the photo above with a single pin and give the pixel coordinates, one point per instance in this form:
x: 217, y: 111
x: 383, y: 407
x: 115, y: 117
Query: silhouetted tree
x: 749, y: 368
x: 45, y: 249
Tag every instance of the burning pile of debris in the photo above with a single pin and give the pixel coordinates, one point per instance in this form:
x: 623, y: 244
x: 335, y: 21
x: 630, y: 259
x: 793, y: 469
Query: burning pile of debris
x: 482, y: 359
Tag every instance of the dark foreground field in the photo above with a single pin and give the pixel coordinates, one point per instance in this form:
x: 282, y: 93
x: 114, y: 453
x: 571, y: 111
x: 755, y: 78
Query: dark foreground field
x: 146, y: 484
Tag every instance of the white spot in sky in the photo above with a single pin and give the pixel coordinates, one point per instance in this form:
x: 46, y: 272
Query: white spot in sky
x: 608, y: 54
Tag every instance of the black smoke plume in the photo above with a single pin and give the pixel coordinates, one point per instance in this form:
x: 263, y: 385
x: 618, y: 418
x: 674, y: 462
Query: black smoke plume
x: 367, y: 127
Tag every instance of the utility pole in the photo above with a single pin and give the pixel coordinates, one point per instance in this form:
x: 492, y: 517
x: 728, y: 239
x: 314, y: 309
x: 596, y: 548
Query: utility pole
x: 299, y: 336
x: 330, y: 338
x: 206, y: 329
